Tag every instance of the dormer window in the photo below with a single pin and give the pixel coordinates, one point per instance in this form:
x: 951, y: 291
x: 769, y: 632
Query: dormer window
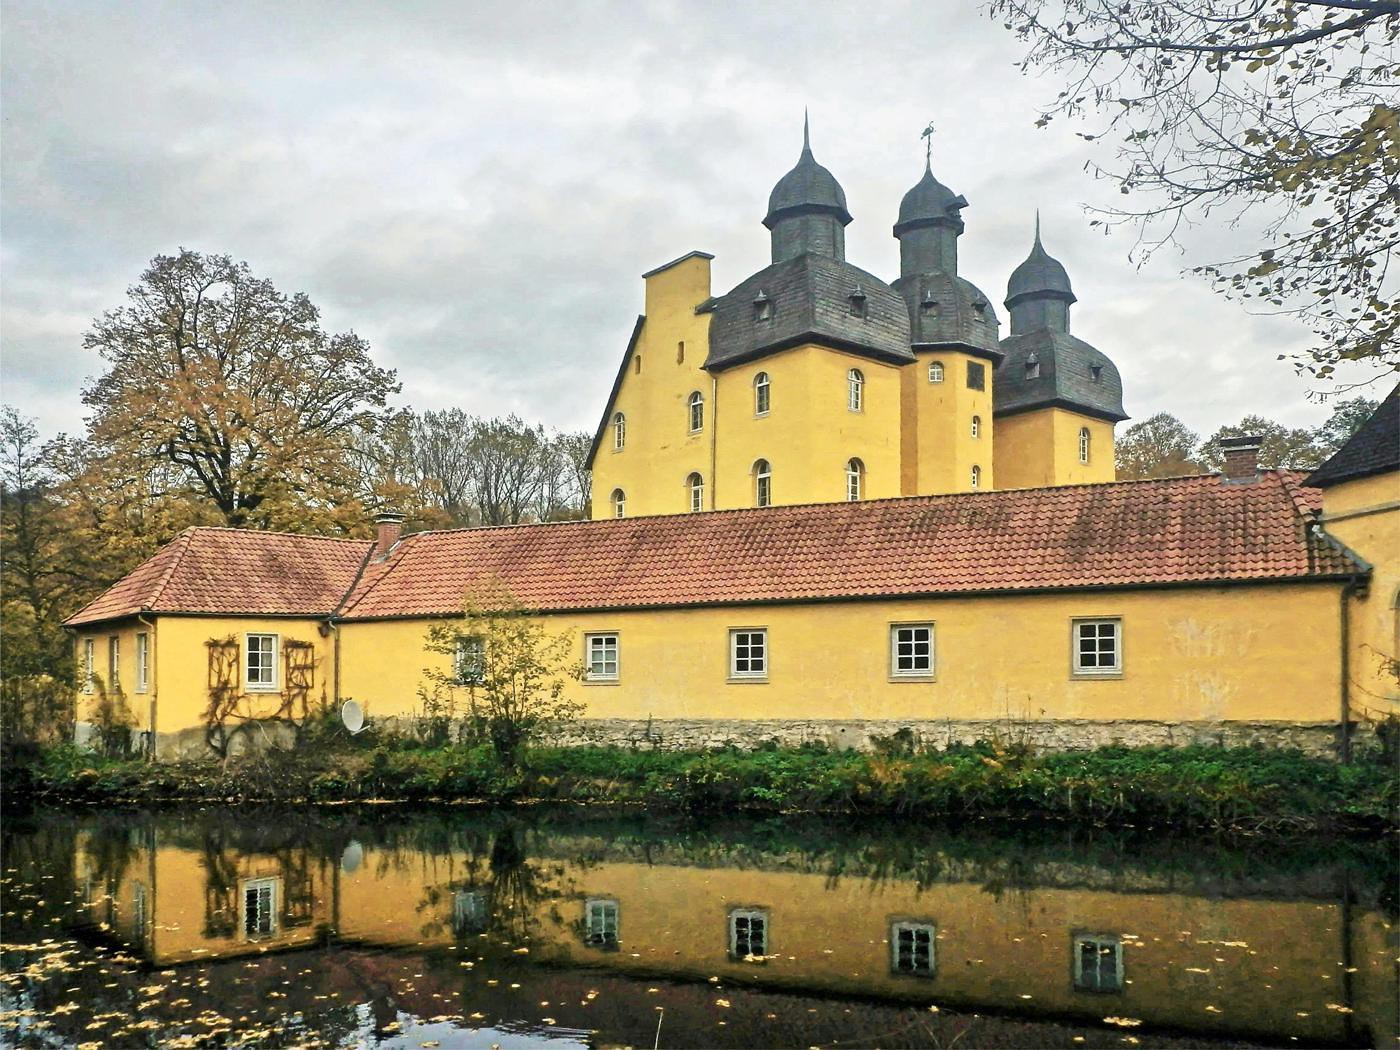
x: 929, y: 305
x: 1032, y: 366
x: 1096, y: 373
x: 762, y: 307
x: 980, y: 305
x: 857, y: 299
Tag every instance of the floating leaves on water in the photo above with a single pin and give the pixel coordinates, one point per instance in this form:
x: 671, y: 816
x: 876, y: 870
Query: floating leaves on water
x: 1123, y: 1022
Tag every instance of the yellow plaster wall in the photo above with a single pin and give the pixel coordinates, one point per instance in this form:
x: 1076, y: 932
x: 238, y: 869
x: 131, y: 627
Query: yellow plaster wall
x: 1040, y: 448
x: 1244, y: 653
x: 125, y: 631
x: 938, y: 447
x: 1365, y: 515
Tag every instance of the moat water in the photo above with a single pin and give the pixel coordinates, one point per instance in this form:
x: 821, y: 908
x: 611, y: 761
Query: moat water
x: 470, y: 927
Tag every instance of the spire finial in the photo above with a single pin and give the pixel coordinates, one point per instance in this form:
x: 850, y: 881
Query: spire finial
x: 806, y: 133
x: 927, y: 136
x: 1037, y: 226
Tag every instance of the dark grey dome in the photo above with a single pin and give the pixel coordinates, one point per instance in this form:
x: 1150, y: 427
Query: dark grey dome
x: 944, y: 308
x: 807, y: 187
x: 929, y: 201
x: 1040, y: 276
x: 1050, y: 369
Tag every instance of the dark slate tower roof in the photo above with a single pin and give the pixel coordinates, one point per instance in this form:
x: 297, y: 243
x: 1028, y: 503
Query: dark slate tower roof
x: 807, y: 188
x: 927, y: 202
x: 1045, y: 366
x: 1373, y: 449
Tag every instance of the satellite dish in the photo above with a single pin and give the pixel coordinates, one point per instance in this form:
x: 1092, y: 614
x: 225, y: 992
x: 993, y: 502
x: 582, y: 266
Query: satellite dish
x: 352, y: 717
x: 351, y: 858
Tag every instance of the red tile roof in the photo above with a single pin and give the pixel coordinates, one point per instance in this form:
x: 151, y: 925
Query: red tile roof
x: 235, y: 571
x: 1196, y: 530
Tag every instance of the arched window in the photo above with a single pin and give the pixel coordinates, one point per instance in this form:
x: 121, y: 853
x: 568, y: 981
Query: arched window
x: 976, y: 477
x: 695, y: 484
x: 1084, y: 444
x: 619, y: 503
x: 855, y: 480
x: 762, y: 484
x: 976, y: 426
x: 855, y: 390
x: 619, y: 432
x: 935, y: 371
x: 697, y: 412
x: 760, y: 394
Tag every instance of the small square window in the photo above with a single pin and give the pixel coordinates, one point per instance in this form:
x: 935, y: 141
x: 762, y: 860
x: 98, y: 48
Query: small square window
x: 1098, y: 647
x: 469, y: 660
x: 600, y: 923
x: 748, y: 653
x: 912, y: 948
x: 260, y: 668
x: 1098, y: 962
x: 976, y: 376
x: 601, y: 657
x: 748, y: 934
x: 911, y: 650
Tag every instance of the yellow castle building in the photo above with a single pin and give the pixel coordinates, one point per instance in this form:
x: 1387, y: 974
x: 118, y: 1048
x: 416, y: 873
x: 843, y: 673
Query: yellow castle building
x: 814, y: 381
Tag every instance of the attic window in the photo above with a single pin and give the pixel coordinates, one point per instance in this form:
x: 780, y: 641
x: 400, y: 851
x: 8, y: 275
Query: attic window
x: 929, y: 305
x: 1096, y: 373
x: 1032, y: 366
x: 980, y: 305
x: 762, y: 307
x: 857, y: 298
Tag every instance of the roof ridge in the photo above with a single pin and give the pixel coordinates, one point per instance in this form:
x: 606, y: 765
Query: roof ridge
x: 274, y: 532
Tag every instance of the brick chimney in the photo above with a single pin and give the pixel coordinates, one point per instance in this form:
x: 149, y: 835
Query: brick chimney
x: 1241, y: 459
x: 390, y: 528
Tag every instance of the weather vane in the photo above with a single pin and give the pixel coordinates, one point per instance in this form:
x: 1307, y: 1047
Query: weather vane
x: 927, y: 136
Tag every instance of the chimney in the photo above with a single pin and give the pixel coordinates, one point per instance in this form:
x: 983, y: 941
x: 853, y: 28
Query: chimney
x: 1241, y: 459
x: 390, y: 527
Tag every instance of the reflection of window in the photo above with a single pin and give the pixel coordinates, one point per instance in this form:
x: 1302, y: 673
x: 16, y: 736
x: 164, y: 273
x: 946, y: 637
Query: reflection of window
x: 468, y: 912
x: 911, y: 650
x: 748, y: 933
x: 138, y: 908
x: 748, y: 654
x: 261, y: 665
x: 601, y: 652
x: 600, y: 923
x: 1098, y: 963
x: 1098, y: 647
x: 469, y: 660
x: 911, y: 948
x: 258, y: 901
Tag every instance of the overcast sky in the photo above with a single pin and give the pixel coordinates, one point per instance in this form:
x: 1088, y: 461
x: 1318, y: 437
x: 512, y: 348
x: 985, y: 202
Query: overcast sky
x: 477, y: 187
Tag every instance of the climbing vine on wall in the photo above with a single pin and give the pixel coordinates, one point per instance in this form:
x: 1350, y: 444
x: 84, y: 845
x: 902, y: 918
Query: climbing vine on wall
x: 234, y: 712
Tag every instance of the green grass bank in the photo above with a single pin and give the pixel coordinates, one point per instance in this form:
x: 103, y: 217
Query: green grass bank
x: 1198, y: 787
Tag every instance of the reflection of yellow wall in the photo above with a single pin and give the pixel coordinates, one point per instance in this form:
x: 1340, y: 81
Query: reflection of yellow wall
x: 1042, y: 448
x: 1365, y: 515
x: 1240, y: 653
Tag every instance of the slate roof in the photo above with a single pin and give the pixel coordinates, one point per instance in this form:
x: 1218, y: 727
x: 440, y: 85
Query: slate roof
x: 927, y: 202
x: 810, y: 297
x: 953, y: 318
x: 236, y: 572
x: 1373, y: 449
x: 1194, y: 530
x: 1066, y: 377
x: 807, y: 187
x: 1040, y: 275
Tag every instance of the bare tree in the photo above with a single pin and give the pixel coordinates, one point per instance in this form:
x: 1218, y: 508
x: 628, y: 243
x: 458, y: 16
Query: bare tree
x: 506, y: 456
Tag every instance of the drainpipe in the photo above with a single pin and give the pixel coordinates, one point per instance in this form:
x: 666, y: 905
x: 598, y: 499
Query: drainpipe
x: 150, y: 677
x: 334, y: 628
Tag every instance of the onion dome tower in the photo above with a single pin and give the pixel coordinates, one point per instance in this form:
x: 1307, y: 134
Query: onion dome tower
x: 807, y: 209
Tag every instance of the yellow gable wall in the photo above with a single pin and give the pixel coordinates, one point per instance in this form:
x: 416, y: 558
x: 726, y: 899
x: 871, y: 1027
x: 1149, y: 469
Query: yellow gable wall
x: 1365, y: 515
x: 1244, y: 653
x: 1041, y: 448
x: 938, y: 447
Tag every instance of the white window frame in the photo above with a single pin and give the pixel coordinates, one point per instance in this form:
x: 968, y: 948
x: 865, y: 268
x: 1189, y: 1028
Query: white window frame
x: 89, y: 664
x: 935, y: 371
x: 618, y: 499
x: 467, y: 647
x: 601, y: 638
x: 1101, y: 941
x: 855, y: 390
x: 1079, y: 671
x: 470, y: 912
x: 976, y: 476
x: 696, y: 412
x: 914, y: 927
x: 143, y: 661
x: 1084, y: 439
x: 274, y: 887
x: 977, y: 426
x: 695, y: 487
x: 750, y: 675
x: 114, y: 663
x: 602, y: 923
x: 855, y: 480
x: 920, y: 674
x: 763, y: 483
x: 261, y: 687
x: 748, y: 915
x: 619, y: 425
x: 762, y: 394
x: 138, y: 908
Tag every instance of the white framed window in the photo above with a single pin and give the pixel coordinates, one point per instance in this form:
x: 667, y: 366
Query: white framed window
x: 619, y: 424
x: 469, y: 660
x: 696, y: 406
x: 257, y: 905
x: 260, y: 663
x: 935, y: 371
x: 762, y: 484
x: 470, y: 912
x: 976, y: 478
x: 855, y: 390
x: 748, y: 933
x: 601, y: 917
x: 695, y: 485
x: 911, y: 650
x: 619, y: 503
x: 976, y: 426
x: 114, y: 664
x: 143, y: 661
x: 761, y: 391
x: 855, y: 480
x: 600, y: 656
x: 1084, y: 444
x: 748, y: 652
x: 89, y: 664
x: 913, y: 948
x: 1098, y: 962
x: 1097, y: 646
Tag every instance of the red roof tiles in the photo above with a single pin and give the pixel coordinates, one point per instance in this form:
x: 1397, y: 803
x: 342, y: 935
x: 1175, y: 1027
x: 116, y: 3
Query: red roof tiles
x: 1174, y: 531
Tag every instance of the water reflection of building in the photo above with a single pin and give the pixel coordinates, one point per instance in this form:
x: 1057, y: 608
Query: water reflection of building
x: 1303, y: 960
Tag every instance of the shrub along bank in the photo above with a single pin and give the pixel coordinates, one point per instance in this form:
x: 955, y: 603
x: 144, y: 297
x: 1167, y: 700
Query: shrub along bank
x: 1209, y: 787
